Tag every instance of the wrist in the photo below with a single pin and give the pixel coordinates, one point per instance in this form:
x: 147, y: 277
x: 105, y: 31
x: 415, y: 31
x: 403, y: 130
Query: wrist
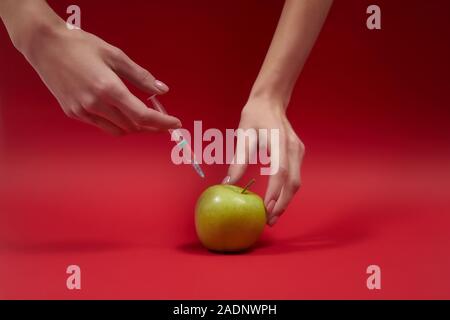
x: 276, y: 92
x: 268, y: 97
x: 265, y: 104
x: 32, y: 22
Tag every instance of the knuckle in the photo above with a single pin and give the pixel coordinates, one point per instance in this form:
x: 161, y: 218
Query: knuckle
x: 301, y: 146
x: 283, y: 172
x: 115, y: 53
x: 293, y: 139
x: 142, y: 118
x: 144, y: 75
x: 296, y: 145
x: 90, y: 107
x: 295, y: 185
x: 78, y: 112
x: 89, y: 100
x: 104, y: 86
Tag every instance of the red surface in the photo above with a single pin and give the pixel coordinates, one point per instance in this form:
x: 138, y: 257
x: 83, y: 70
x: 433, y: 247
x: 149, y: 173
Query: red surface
x: 371, y: 107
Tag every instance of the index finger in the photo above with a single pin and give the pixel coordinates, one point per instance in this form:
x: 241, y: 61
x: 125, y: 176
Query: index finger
x: 139, y: 113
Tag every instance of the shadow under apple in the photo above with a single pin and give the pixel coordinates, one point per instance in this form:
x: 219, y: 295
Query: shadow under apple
x: 349, y: 228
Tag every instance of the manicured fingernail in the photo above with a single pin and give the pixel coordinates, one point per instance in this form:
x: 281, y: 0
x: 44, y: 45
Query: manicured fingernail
x: 226, y: 180
x: 161, y: 86
x: 273, y: 220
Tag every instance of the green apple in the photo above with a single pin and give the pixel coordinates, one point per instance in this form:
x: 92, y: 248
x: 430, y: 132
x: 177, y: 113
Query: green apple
x: 229, y: 218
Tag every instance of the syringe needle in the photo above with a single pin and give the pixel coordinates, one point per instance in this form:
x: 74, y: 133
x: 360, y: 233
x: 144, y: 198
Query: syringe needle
x: 179, y: 137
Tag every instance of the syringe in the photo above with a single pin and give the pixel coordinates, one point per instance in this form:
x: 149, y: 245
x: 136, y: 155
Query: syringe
x: 182, y: 143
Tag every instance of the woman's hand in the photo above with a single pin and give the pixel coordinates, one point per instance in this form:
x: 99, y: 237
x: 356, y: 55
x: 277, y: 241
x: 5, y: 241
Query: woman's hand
x: 263, y: 113
x: 297, y: 30
x: 83, y: 72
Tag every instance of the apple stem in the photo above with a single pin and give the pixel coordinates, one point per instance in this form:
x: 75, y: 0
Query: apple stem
x: 248, y: 185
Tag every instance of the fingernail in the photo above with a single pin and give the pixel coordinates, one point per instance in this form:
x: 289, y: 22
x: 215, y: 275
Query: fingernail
x: 226, y: 180
x: 273, y: 220
x: 179, y: 125
x: 161, y: 86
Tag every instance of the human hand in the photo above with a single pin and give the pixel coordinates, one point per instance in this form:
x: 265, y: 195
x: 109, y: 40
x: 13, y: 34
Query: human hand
x: 83, y: 72
x: 262, y: 113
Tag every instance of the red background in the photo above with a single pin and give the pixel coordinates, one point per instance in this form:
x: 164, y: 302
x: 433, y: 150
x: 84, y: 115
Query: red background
x: 372, y: 108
